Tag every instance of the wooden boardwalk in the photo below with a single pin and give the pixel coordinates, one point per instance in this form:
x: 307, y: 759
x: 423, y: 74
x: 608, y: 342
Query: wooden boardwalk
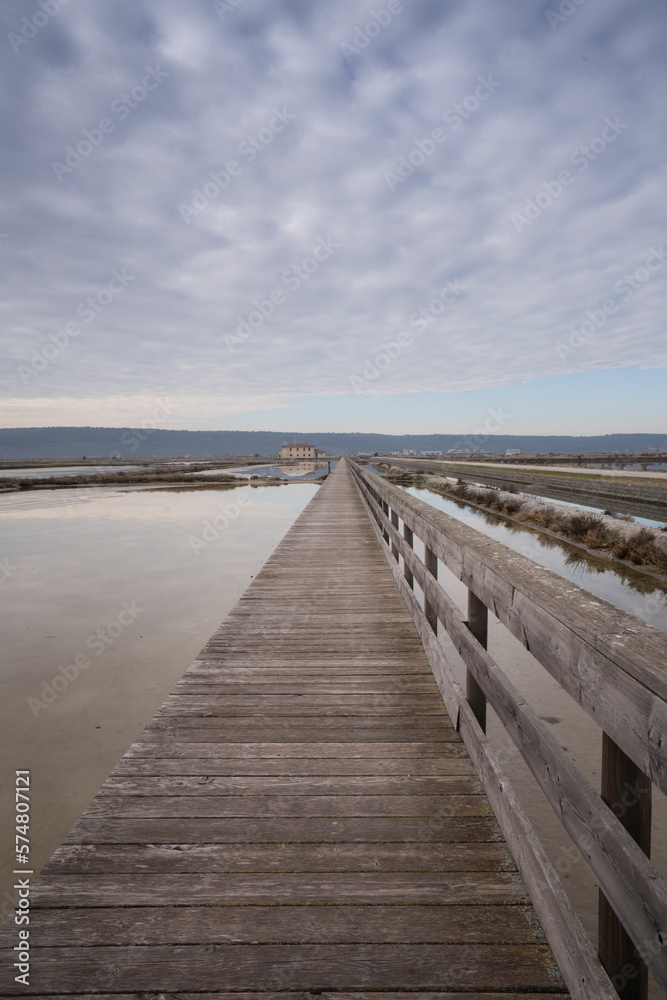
x: 299, y: 815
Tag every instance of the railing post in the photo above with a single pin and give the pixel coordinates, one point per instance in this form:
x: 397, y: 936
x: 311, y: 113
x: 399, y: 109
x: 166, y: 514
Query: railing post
x: 385, y: 508
x: 394, y: 547
x: 478, y: 624
x: 407, y: 573
x: 627, y: 792
x: 431, y: 563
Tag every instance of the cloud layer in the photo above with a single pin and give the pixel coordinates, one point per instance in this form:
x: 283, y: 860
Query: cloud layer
x: 245, y: 202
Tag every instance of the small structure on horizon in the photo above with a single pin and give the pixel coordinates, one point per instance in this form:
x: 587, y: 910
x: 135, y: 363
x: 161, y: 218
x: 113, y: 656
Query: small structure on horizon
x: 513, y: 451
x: 300, y: 450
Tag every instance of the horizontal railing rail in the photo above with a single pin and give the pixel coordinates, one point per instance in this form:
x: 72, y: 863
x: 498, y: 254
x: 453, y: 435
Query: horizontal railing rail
x: 612, y: 665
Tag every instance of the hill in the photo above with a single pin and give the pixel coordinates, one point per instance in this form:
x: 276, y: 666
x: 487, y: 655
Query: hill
x: 146, y: 442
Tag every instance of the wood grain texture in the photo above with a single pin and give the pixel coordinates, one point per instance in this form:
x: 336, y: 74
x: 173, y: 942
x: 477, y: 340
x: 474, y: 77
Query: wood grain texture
x: 300, y: 815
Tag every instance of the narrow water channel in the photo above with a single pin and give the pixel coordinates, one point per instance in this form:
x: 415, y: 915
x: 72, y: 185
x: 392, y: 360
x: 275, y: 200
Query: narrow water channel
x: 637, y: 593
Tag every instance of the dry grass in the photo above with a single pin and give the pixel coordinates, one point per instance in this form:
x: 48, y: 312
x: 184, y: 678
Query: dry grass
x: 581, y: 527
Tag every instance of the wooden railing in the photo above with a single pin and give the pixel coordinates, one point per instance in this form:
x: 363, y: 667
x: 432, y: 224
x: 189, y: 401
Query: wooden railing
x: 613, y: 666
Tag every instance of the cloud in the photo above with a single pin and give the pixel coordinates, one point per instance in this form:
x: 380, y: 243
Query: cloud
x: 313, y: 132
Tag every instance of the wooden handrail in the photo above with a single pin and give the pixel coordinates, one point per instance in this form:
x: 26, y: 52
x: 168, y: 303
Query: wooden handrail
x: 553, y: 621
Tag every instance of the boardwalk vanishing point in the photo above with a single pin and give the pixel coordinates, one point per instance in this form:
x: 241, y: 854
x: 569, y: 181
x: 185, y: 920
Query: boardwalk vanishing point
x: 301, y: 814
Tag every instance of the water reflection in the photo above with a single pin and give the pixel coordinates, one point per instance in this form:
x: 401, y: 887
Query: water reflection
x: 297, y: 470
x: 126, y: 590
x: 634, y: 592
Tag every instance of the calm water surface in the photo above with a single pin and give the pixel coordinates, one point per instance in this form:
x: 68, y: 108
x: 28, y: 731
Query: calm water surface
x: 129, y: 583
x: 634, y: 592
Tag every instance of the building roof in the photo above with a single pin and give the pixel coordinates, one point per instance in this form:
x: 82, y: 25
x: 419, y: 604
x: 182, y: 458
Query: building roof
x: 298, y: 444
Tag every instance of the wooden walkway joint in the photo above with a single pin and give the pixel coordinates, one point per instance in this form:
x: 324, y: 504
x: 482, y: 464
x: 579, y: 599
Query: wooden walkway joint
x: 300, y: 815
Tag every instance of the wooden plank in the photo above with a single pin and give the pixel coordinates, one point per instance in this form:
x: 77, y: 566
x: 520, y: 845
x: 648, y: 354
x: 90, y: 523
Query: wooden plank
x: 324, y: 994
x: 304, y: 703
x: 106, y: 859
x: 370, y: 829
x: 292, y: 966
x: 283, y: 766
x: 261, y: 750
x: 254, y: 924
x: 332, y: 734
x: 291, y: 786
x: 322, y: 889
x: 201, y: 806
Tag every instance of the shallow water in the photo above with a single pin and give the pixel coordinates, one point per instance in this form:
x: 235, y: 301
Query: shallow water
x: 75, y: 567
x: 300, y: 471
x: 634, y: 592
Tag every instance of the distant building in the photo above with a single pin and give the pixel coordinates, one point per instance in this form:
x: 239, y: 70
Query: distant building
x: 430, y: 454
x: 367, y: 454
x: 300, y: 450
x: 513, y: 451
x: 409, y: 452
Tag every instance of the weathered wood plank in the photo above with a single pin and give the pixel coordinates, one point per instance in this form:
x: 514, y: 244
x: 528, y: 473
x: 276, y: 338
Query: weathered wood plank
x: 200, y: 806
x: 323, y: 994
x: 331, y: 734
x: 254, y: 924
x: 261, y: 750
x: 292, y: 966
x: 106, y: 859
x: 298, y: 767
x: 303, y: 703
x: 323, y: 889
x: 370, y: 829
x: 292, y: 786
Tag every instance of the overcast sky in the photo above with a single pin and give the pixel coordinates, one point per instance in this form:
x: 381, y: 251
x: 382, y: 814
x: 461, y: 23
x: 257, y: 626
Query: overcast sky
x: 334, y: 215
